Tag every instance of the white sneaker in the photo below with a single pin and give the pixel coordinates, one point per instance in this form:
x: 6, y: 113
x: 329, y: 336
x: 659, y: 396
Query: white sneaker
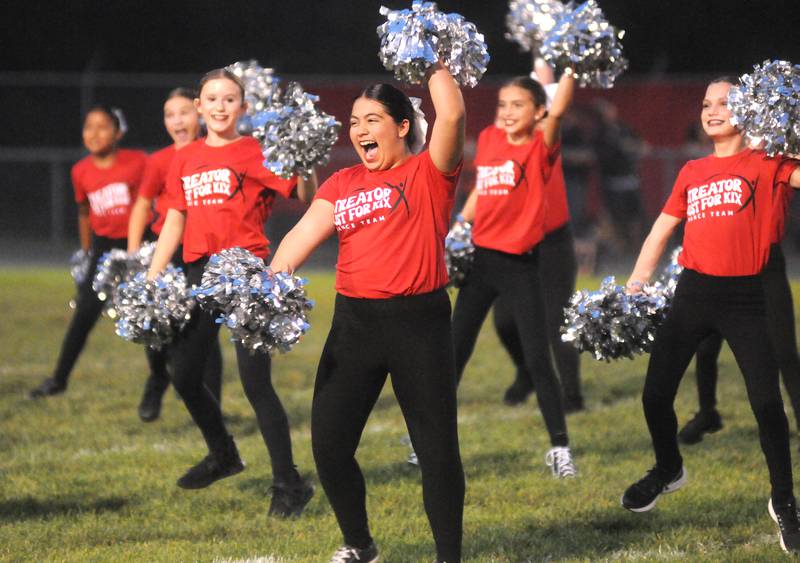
x: 412, y: 458
x: 559, y: 460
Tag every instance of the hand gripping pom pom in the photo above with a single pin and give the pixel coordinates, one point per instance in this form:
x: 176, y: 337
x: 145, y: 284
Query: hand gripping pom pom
x: 413, y: 40
x: 261, y: 90
x: 295, y: 135
x: 584, y: 43
x: 529, y: 21
x: 265, y: 311
x: 612, y: 324
x: 459, y: 251
x: 153, y: 312
x: 113, y: 267
x: 79, y: 264
x: 765, y: 106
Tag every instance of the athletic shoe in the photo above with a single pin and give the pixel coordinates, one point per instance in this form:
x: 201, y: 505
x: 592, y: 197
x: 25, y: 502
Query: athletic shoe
x: 47, y: 388
x: 642, y: 495
x: 289, y: 499
x: 150, y: 405
x: 412, y: 458
x: 786, y: 518
x: 559, y: 460
x: 347, y: 554
x: 518, y: 392
x: 212, y: 468
x: 703, y: 422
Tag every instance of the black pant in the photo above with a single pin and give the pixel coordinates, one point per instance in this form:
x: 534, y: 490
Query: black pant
x: 88, y: 309
x: 780, y: 321
x: 558, y: 269
x: 189, y: 355
x: 515, y: 278
x: 733, y: 307
x: 410, y: 338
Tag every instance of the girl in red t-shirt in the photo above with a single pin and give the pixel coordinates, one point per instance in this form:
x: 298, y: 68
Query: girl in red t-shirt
x: 219, y: 195
x: 392, y: 313
x: 728, y: 201
x: 105, y: 183
x: 514, y: 163
x: 182, y: 123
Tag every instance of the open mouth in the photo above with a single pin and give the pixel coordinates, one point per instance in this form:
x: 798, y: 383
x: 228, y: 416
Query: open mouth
x: 370, y: 149
x: 713, y: 122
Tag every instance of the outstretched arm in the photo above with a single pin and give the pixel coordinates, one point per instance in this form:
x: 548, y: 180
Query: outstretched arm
x: 447, y: 139
x: 314, y: 227
x: 651, y: 252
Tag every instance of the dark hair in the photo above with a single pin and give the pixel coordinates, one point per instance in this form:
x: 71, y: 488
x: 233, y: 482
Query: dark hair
x: 732, y: 80
x: 396, y: 104
x: 534, y: 88
x: 182, y: 92
x: 112, y: 113
x: 220, y: 73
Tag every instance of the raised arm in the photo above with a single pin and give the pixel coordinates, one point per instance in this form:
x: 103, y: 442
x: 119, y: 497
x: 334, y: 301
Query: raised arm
x: 314, y: 227
x: 447, y: 139
x: 84, y: 228
x: 651, y: 252
x: 306, y: 188
x: 168, y: 242
x: 551, y: 127
x: 138, y: 222
x: 543, y: 71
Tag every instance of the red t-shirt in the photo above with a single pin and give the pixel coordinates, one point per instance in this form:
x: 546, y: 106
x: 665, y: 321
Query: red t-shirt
x: 227, y: 195
x: 729, y: 205
x: 391, y: 226
x: 783, y: 197
x: 510, y: 181
x: 555, y: 189
x: 109, y: 191
x: 154, y: 182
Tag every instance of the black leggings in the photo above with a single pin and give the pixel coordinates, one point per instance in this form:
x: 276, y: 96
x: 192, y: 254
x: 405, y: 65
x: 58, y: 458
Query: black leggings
x: 514, y: 278
x: 780, y: 322
x: 558, y: 270
x: 189, y: 355
x: 409, y: 338
x: 734, y: 308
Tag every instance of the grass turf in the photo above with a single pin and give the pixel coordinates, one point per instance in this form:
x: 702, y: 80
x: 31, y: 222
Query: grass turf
x: 82, y: 479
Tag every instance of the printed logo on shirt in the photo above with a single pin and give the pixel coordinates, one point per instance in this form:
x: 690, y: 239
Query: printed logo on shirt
x: 499, y: 180
x: 113, y: 199
x: 370, y: 206
x: 211, y: 187
x: 724, y: 196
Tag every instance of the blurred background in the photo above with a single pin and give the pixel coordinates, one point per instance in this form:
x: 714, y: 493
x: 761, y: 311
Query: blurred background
x: 622, y: 147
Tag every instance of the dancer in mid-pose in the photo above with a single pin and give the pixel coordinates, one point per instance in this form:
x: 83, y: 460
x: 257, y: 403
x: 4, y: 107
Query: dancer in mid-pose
x: 182, y: 122
x: 105, y: 184
x: 392, y: 312
x: 728, y: 199
x: 219, y: 195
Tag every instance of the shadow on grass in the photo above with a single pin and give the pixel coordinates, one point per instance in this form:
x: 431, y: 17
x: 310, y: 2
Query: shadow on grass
x: 29, y: 508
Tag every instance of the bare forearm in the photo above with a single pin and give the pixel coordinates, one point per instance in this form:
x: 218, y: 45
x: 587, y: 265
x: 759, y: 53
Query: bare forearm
x: 138, y: 223
x: 652, y: 249
x: 298, y: 244
x: 84, y: 228
x: 468, y: 211
x: 306, y: 188
x: 168, y: 242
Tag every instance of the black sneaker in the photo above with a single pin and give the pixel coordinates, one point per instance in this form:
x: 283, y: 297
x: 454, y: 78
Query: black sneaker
x: 150, y: 406
x: 703, y: 422
x: 47, y: 388
x: 642, y: 495
x: 518, y: 392
x: 573, y: 404
x: 786, y: 518
x: 347, y: 554
x: 289, y: 499
x: 212, y: 468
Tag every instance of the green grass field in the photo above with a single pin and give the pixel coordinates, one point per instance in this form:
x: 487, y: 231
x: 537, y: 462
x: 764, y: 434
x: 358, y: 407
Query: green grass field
x: 82, y: 479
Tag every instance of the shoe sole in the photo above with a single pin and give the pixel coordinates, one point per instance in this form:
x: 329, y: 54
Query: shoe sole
x: 671, y: 488
x: 231, y: 473
x: 775, y: 519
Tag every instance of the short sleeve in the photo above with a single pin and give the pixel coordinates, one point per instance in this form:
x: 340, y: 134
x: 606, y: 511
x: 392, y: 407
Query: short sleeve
x: 786, y: 167
x: 676, y: 203
x: 444, y: 183
x: 77, y: 188
x: 277, y: 184
x: 173, y: 185
x: 329, y: 190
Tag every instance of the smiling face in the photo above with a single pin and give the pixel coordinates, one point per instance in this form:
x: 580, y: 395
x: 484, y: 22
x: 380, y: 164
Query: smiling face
x: 378, y: 140
x: 517, y: 114
x: 100, y: 134
x: 221, y: 104
x: 715, y: 115
x: 181, y: 120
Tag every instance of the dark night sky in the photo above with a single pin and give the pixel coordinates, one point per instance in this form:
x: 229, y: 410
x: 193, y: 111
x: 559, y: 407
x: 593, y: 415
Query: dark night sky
x: 337, y: 36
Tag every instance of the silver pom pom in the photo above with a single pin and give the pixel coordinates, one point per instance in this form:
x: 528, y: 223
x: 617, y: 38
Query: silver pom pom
x: 765, y: 106
x: 153, y: 312
x: 79, y: 264
x: 413, y: 40
x: 459, y: 251
x: 295, y: 135
x: 261, y: 90
x: 584, y: 43
x: 114, y: 266
x: 265, y: 311
x: 529, y: 21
